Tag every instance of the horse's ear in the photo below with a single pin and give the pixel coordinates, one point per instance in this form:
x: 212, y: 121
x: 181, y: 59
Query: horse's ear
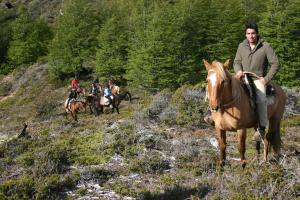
x: 206, y: 64
x: 226, y: 64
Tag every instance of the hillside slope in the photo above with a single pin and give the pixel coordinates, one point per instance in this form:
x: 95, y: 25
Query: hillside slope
x: 154, y: 149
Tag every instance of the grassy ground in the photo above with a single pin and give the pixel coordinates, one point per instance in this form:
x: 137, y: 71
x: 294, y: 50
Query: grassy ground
x: 157, y: 148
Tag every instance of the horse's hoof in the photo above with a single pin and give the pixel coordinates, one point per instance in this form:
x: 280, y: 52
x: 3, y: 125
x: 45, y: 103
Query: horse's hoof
x: 222, y: 163
x: 244, y: 164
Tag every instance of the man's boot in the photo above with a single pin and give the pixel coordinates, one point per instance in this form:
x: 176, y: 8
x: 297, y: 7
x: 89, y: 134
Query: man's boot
x: 259, y: 134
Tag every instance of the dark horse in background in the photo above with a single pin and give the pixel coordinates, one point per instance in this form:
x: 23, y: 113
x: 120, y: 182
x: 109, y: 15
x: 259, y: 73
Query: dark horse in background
x: 98, y: 103
x: 232, y: 110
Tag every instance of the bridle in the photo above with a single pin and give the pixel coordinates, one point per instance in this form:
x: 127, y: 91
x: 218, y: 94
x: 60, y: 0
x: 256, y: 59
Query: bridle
x: 224, y: 105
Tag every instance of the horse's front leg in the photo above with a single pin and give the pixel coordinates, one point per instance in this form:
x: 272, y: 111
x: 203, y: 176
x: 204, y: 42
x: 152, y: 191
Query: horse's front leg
x: 73, y: 114
x: 222, y: 144
x: 66, y: 113
x: 242, y: 145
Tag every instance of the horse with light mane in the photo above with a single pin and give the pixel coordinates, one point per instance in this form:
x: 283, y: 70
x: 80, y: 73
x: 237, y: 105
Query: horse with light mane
x: 232, y: 111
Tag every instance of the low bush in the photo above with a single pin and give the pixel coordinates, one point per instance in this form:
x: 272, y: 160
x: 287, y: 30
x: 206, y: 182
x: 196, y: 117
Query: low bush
x: 54, y: 185
x: 21, y: 188
x: 53, y: 158
x: 190, y: 106
x: 151, y: 163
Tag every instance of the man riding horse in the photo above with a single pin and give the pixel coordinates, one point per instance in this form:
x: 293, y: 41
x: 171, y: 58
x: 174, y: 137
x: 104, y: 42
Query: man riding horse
x: 251, y: 56
x: 72, y: 97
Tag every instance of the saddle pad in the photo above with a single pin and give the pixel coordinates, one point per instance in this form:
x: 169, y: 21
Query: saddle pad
x: 104, y: 101
x: 68, y: 106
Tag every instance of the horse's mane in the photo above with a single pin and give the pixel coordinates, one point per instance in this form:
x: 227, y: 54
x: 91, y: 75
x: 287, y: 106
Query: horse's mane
x: 219, y: 69
x: 225, y: 74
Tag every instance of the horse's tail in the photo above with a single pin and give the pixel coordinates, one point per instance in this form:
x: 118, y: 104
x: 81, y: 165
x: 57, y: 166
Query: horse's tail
x: 129, y: 96
x: 274, y: 121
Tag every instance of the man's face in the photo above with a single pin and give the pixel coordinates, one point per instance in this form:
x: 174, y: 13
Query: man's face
x: 251, y: 36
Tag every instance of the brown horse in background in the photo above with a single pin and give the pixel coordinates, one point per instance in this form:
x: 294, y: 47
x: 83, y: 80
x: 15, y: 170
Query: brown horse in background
x: 232, y: 110
x: 74, y: 107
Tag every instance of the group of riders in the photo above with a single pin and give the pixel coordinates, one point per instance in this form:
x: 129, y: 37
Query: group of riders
x: 95, y: 90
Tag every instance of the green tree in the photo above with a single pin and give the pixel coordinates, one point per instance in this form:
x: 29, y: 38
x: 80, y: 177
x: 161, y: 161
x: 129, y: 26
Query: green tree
x: 75, y: 39
x: 155, y: 50
x: 4, y: 43
x: 29, y: 39
x: 111, y: 55
x: 281, y: 28
x: 212, y: 31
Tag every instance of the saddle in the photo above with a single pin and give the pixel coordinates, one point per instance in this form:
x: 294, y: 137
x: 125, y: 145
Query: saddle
x: 68, y: 102
x: 249, y: 87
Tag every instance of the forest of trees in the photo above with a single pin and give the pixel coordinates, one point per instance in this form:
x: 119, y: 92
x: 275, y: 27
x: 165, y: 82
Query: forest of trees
x: 150, y: 43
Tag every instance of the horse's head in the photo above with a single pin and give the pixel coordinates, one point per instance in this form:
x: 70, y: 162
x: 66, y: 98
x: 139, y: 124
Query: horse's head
x: 115, y: 89
x: 216, y: 79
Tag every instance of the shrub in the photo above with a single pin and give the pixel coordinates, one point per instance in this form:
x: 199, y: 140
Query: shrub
x: 53, y: 186
x: 21, y: 188
x: 121, y: 140
x: 53, y: 158
x: 190, y: 106
x: 5, y: 87
x: 15, y: 147
x: 99, y: 174
x: 158, y: 110
x: 152, y: 163
x: 45, y: 108
x: 85, y: 149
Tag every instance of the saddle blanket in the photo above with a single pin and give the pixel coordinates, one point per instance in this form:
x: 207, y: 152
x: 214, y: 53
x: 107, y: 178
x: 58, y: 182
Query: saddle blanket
x: 104, y: 101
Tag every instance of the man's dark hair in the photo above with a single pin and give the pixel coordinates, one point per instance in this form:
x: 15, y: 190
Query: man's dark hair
x: 251, y: 25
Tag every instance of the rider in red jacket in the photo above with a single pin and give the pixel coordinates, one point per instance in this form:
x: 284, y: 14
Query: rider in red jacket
x: 74, y: 84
